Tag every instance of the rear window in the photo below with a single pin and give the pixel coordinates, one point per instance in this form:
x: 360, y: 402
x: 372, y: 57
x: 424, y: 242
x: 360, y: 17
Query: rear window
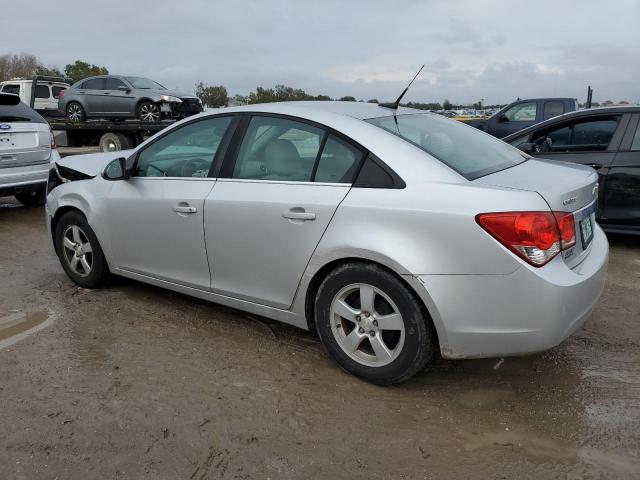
x: 19, y: 113
x: 56, y: 91
x: 465, y: 149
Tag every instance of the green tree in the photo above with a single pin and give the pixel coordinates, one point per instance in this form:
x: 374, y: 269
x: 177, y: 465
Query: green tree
x: 446, y: 105
x: 79, y: 70
x: 49, y: 71
x: 23, y: 65
x: 212, y: 96
x: 373, y: 100
x: 322, y: 98
x: 348, y: 98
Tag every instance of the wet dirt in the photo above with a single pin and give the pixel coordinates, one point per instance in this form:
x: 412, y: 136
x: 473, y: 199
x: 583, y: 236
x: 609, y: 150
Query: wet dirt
x: 132, y: 381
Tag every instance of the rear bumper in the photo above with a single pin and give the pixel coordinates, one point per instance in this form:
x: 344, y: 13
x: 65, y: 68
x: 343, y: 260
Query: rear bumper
x: 527, y: 311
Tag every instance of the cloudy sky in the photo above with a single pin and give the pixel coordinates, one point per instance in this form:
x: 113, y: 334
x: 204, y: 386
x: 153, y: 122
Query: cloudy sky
x: 494, y: 50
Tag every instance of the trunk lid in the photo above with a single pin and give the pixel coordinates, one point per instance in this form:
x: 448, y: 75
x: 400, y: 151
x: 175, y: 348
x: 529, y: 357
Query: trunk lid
x: 566, y: 187
x: 24, y: 143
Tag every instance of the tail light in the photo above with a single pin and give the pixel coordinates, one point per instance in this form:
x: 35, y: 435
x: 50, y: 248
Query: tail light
x: 53, y: 140
x: 536, y: 237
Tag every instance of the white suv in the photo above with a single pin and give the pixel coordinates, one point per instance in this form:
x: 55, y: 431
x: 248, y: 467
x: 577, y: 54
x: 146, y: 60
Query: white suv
x: 26, y: 150
x: 46, y: 95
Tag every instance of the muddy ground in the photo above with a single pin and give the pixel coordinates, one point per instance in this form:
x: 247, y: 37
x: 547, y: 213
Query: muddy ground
x: 133, y: 382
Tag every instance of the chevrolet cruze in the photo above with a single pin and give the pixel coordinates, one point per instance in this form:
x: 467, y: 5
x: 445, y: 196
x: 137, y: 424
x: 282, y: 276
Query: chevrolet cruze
x: 392, y: 233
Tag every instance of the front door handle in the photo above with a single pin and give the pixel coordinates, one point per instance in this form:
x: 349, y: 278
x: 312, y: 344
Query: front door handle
x: 299, y: 214
x: 184, y: 209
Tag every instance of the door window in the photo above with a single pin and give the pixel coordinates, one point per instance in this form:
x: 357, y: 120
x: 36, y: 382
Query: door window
x: 42, y: 91
x: 187, y: 151
x: 56, y: 91
x: 338, y: 162
x: 553, y: 109
x: 94, y: 84
x: 278, y: 149
x: 523, y: 112
x: 114, y: 84
x: 15, y: 89
x: 582, y: 136
x: 635, y: 145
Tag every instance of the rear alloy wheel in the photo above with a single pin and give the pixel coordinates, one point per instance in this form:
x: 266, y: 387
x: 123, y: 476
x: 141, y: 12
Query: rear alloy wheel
x: 79, y: 251
x: 113, y: 142
x: 75, y: 112
x: 32, y: 198
x: 149, y: 112
x: 372, y: 324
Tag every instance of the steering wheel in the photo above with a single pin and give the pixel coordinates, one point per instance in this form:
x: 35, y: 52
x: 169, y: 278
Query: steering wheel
x: 193, y: 165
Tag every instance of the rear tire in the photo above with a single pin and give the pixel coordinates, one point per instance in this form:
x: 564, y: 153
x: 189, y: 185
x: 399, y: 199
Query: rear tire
x: 75, y: 112
x: 79, y: 251
x: 32, y: 198
x: 372, y: 324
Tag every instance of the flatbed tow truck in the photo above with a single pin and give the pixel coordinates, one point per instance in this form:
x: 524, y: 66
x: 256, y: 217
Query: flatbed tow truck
x: 94, y: 135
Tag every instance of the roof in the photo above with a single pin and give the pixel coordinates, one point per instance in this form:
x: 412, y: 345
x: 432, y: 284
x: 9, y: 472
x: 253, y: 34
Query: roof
x: 358, y: 110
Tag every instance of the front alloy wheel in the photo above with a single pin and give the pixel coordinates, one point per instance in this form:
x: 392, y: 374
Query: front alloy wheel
x: 149, y: 112
x: 77, y: 250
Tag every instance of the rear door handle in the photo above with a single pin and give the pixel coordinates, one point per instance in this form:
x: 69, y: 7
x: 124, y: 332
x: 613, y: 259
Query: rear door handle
x: 299, y: 215
x: 184, y: 209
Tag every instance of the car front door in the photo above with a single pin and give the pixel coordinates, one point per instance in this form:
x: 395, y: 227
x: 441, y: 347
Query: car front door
x: 621, y: 202
x: 591, y: 141
x: 156, y: 216
x: 118, y: 100
x: 515, y: 118
x: 263, y: 221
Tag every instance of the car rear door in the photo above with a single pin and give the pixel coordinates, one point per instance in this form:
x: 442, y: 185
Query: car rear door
x: 266, y: 214
x: 621, y: 198
x: 156, y: 216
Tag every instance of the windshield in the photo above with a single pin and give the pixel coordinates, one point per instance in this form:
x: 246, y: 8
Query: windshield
x: 144, y: 83
x: 465, y: 149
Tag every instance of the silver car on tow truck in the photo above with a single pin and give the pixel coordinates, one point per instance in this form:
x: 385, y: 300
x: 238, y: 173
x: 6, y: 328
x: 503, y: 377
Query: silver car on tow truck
x: 394, y: 234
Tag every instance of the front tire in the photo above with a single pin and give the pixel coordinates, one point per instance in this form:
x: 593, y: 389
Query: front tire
x: 79, y: 251
x: 372, y: 324
x: 148, y: 111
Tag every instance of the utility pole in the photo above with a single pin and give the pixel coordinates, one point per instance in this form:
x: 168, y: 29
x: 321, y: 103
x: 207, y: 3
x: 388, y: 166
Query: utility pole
x: 589, y: 96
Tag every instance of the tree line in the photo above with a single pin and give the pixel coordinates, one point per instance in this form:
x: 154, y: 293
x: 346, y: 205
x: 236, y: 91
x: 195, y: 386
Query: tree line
x: 25, y: 65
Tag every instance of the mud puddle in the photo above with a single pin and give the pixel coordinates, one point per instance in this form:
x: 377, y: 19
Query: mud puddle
x: 17, y: 326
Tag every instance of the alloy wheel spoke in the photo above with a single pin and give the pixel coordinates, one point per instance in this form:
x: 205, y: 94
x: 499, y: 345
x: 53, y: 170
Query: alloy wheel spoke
x: 75, y: 232
x: 379, y: 348
x: 68, y: 243
x: 367, y: 295
x: 86, y: 248
x: 392, y: 321
x: 85, y: 264
x: 345, y: 311
x: 352, y: 341
x: 74, y: 263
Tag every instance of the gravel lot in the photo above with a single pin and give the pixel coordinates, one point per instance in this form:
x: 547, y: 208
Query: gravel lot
x: 132, y: 381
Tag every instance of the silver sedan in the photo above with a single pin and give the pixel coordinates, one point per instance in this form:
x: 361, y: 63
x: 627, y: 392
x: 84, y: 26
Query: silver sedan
x: 395, y: 235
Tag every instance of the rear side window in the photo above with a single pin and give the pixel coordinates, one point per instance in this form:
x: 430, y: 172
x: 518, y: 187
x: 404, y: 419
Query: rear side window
x: 94, y: 84
x: 338, y: 161
x: 465, y: 149
x: 375, y: 174
x: 15, y: 89
x: 42, y: 91
x: 278, y: 149
x: 553, y: 109
x: 56, y: 91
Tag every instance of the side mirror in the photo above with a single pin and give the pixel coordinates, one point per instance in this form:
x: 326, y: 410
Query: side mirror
x: 528, y: 147
x: 123, y: 88
x: 503, y: 118
x: 116, y: 170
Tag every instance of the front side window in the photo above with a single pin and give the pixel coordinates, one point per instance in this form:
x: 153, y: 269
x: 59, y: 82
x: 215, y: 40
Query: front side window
x: 94, y: 84
x: 42, y: 91
x: 582, y: 136
x: 523, y: 112
x: 114, y: 84
x: 465, y: 149
x: 278, y: 149
x: 15, y: 89
x: 552, y: 109
x: 187, y: 151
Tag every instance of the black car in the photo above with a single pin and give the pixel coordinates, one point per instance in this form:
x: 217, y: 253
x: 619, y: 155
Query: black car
x: 606, y: 139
